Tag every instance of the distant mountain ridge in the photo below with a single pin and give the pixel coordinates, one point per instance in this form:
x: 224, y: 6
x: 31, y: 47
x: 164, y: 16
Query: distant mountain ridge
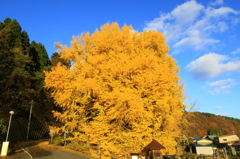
x: 201, y: 124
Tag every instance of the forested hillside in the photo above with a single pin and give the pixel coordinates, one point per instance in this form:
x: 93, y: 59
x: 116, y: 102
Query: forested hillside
x: 22, y: 66
x: 201, y: 124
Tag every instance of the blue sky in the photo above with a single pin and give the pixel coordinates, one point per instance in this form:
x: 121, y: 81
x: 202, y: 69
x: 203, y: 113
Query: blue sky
x: 203, y: 36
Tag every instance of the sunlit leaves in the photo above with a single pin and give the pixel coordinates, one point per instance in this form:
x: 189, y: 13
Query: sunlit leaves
x: 122, y: 88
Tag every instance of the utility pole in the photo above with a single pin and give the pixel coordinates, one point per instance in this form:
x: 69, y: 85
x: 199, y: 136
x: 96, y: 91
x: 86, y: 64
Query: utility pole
x: 29, y: 120
x: 9, y: 124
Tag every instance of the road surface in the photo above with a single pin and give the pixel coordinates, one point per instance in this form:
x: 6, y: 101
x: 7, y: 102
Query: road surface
x: 45, y: 151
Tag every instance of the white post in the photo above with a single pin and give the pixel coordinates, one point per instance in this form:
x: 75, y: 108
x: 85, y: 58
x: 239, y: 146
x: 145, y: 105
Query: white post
x: 99, y: 149
x: 51, y: 135
x: 4, y: 148
x: 65, y: 138
x: 6, y: 143
x: 215, y: 153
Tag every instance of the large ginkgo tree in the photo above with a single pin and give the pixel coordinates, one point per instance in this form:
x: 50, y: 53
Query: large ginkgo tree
x: 122, y: 89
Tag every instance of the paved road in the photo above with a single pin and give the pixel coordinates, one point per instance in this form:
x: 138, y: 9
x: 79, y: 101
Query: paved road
x: 47, y: 152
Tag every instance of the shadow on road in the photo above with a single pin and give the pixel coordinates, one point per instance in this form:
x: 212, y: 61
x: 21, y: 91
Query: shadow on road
x: 31, y: 147
x: 36, y: 151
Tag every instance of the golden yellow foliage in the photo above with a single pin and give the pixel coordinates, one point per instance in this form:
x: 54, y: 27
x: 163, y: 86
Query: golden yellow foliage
x: 122, y: 89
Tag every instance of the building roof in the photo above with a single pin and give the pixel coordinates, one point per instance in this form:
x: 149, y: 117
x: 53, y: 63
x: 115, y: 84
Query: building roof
x: 196, y: 139
x: 154, y: 145
x: 211, y: 137
x: 198, y: 145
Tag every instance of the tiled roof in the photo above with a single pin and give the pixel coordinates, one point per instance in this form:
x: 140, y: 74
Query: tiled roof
x: 154, y: 145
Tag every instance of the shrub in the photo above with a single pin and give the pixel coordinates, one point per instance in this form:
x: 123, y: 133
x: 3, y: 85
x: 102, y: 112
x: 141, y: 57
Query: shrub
x: 77, y: 146
x: 57, y: 141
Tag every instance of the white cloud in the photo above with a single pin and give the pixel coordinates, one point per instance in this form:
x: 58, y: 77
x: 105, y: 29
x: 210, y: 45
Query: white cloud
x: 192, y: 25
x: 224, y: 114
x: 197, y: 41
x: 220, y: 82
x: 218, y: 107
x: 223, y: 11
x: 212, y: 65
x: 217, y: 2
x: 221, y: 86
x: 236, y: 51
x: 222, y: 26
x: 187, y: 12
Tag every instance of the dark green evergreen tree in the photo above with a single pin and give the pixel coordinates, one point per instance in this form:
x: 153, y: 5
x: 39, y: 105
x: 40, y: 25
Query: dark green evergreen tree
x: 13, y: 63
x: 39, y: 57
x: 21, y: 73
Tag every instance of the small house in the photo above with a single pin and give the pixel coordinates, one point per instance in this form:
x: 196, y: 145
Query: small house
x: 204, y: 147
x: 152, y: 150
x: 226, y: 139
